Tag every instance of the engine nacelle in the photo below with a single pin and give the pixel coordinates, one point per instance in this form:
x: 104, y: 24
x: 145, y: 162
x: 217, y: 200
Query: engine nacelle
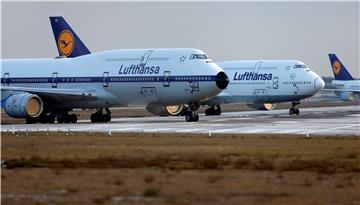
x: 262, y: 106
x: 23, y: 105
x: 161, y: 110
x: 347, y: 96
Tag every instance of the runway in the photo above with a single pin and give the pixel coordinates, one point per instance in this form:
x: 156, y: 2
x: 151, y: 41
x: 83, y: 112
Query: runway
x: 311, y: 121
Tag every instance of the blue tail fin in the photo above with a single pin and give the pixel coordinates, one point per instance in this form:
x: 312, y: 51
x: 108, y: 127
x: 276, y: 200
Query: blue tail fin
x: 339, y: 70
x: 67, y: 42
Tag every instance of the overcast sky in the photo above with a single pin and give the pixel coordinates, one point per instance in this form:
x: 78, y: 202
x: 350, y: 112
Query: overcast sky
x: 305, y: 31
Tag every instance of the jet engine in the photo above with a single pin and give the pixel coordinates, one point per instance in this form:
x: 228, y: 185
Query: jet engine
x: 162, y: 110
x: 23, y: 105
x: 261, y: 106
x: 347, y: 96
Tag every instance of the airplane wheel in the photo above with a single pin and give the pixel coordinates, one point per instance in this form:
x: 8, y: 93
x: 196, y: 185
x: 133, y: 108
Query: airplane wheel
x: 73, y: 118
x: 59, y: 120
x: 94, y: 117
x: 188, y: 118
x: 63, y: 118
x: 218, y: 110
x: 297, y: 111
x: 191, y: 117
x: 30, y: 121
x: 195, y: 118
x: 67, y: 119
x: 51, y: 119
x: 107, y: 118
x: 292, y: 111
x: 209, y: 111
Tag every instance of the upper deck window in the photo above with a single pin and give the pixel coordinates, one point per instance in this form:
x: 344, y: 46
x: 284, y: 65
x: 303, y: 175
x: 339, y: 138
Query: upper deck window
x: 300, y: 66
x: 198, y: 56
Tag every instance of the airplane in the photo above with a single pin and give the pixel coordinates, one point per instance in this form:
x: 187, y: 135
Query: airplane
x: 260, y: 84
x: 41, y: 90
x: 344, y: 85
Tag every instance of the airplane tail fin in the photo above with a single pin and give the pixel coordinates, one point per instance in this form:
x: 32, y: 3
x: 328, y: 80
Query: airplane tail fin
x: 67, y: 42
x: 339, y: 70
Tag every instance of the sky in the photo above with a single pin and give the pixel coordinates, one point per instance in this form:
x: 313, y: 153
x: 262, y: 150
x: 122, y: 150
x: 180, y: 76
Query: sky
x: 305, y: 31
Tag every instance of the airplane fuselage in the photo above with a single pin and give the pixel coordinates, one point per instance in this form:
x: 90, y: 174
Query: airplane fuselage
x: 120, y: 77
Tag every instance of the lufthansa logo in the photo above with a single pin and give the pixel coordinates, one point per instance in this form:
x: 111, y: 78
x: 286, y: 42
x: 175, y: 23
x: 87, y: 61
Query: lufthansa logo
x: 66, y: 43
x: 336, y: 67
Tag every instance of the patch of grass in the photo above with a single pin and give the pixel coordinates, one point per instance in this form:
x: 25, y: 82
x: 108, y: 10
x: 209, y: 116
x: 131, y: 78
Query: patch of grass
x: 211, y: 163
x: 264, y: 164
x: 307, y: 183
x: 149, y: 178
x: 242, y: 163
x: 213, y: 178
x: 102, y: 199
x: 151, y: 192
x: 72, y: 190
x: 118, y: 182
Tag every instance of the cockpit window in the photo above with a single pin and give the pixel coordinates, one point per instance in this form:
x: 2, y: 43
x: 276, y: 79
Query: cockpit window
x: 300, y: 66
x: 198, y: 56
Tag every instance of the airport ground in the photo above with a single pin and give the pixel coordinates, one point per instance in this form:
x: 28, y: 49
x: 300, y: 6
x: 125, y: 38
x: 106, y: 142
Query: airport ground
x: 150, y: 168
x: 141, y: 111
x: 91, y: 167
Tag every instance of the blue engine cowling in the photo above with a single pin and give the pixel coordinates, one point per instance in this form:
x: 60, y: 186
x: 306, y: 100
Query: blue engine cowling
x: 23, y: 105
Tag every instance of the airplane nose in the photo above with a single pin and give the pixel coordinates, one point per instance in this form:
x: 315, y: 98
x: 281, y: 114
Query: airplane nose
x: 319, y: 84
x: 222, y: 80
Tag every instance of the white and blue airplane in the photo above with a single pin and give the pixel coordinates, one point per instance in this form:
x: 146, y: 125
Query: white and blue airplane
x: 259, y: 83
x: 344, y: 85
x: 263, y: 83
x: 41, y: 90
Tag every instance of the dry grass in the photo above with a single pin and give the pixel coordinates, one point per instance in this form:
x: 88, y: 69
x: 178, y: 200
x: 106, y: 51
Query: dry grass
x: 181, y: 152
x: 179, y: 169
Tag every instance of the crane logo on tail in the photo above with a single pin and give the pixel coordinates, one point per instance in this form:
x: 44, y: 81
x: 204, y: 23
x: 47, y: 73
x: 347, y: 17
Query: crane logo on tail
x: 66, y: 43
x: 336, y: 67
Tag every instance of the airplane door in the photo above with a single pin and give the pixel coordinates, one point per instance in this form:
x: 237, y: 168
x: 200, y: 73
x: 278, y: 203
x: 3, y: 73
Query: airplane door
x: 166, y: 78
x: 257, y: 66
x: 145, y: 57
x: 54, y: 80
x: 150, y: 94
x: 275, y: 83
x: 194, y: 86
x: 6, y: 79
x: 106, y: 79
x: 261, y: 95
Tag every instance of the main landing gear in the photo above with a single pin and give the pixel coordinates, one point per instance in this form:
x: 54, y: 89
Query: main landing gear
x: 65, y: 117
x: 191, y: 115
x: 43, y: 118
x: 98, y: 116
x: 294, y: 110
x: 213, y: 110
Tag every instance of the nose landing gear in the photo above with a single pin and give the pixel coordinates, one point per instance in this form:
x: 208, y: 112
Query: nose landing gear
x: 294, y: 110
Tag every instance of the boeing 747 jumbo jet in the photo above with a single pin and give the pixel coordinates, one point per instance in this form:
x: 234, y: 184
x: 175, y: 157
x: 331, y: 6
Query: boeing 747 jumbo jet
x: 344, y: 85
x: 41, y: 90
x: 259, y: 84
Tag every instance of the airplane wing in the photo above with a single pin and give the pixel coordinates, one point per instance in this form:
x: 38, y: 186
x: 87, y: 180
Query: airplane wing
x: 333, y: 86
x: 50, y: 94
x: 341, y: 90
